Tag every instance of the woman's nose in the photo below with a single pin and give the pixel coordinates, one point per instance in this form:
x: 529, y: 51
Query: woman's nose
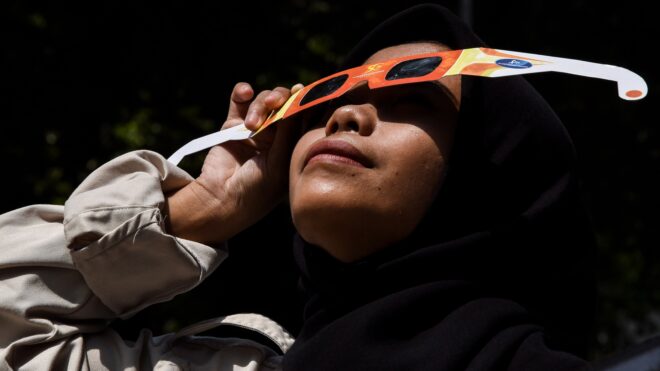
x: 359, y: 118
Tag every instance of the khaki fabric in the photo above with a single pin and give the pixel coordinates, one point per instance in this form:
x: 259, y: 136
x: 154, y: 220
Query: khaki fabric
x: 67, y: 271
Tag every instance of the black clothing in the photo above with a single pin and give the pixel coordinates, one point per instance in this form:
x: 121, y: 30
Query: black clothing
x: 498, y: 276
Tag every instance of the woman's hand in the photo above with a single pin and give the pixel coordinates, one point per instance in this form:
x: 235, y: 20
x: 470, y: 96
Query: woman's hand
x: 241, y: 181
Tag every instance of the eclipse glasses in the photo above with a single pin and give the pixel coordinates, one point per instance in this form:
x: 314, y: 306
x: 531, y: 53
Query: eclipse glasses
x: 484, y: 62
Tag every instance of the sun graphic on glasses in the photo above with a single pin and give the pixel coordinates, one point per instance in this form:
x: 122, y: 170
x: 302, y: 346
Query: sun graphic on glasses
x: 485, y: 62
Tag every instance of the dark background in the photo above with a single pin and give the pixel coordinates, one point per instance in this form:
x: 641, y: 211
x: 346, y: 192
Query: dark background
x: 80, y: 85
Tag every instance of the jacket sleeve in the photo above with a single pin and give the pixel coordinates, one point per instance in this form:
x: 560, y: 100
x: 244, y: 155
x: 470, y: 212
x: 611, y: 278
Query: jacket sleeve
x: 65, y: 272
x: 113, y: 227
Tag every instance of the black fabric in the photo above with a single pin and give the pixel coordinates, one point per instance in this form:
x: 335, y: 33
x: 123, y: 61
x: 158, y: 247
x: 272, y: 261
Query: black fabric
x: 498, y: 276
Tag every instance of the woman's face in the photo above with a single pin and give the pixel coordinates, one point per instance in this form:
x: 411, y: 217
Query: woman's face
x: 370, y: 163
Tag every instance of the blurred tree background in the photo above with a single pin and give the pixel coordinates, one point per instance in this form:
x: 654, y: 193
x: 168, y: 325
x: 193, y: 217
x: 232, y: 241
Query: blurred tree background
x: 80, y: 85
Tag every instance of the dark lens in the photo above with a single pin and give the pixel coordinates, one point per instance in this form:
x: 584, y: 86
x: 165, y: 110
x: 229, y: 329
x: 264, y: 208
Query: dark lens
x: 324, y: 89
x: 413, y: 68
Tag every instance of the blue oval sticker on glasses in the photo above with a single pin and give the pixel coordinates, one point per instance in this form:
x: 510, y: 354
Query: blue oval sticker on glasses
x: 513, y: 63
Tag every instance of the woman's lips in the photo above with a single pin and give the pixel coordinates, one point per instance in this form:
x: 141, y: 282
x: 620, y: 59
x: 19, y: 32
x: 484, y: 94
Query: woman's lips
x: 337, y: 151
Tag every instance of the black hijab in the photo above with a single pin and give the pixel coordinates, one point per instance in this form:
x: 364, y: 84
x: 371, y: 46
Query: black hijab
x: 498, y: 275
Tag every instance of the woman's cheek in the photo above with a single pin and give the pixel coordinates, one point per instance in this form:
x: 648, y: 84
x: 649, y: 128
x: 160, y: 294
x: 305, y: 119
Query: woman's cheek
x: 416, y: 171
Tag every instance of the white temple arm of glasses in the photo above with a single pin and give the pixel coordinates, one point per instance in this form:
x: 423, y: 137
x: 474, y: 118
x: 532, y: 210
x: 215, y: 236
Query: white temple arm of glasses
x: 238, y: 132
x: 628, y: 82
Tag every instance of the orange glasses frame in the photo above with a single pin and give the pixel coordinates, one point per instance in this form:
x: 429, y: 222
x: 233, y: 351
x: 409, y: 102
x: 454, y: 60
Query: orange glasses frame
x: 485, y: 62
x: 374, y: 74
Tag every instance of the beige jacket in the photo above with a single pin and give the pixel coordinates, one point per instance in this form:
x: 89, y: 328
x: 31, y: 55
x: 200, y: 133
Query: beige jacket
x: 67, y: 271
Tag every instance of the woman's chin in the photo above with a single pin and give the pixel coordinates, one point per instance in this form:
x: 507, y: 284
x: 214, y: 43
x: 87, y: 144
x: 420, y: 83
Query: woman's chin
x: 331, y: 191
x: 346, y: 228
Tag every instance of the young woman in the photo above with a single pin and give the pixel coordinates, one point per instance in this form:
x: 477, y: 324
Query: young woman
x: 439, y: 227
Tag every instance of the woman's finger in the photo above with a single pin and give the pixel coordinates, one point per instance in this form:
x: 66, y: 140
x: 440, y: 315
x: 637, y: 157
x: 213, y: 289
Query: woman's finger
x: 296, y: 88
x: 239, y: 102
x: 264, y: 104
x: 253, y: 112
